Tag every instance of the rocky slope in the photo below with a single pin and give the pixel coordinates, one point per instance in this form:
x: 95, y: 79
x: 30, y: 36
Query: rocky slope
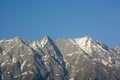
x: 31, y: 60
x: 64, y: 59
x: 87, y: 59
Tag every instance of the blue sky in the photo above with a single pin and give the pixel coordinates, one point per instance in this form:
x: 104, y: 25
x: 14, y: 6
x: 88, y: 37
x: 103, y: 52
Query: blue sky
x: 33, y: 19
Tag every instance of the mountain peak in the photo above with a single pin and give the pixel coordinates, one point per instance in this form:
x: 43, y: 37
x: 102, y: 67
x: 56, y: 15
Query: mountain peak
x: 41, y: 43
x: 87, y: 37
x: 84, y: 43
x: 46, y: 38
x: 84, y: 40
x: 17, y: 38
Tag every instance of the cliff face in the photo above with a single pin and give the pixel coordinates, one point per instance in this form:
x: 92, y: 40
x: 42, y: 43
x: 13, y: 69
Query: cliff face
x: 64, y: 59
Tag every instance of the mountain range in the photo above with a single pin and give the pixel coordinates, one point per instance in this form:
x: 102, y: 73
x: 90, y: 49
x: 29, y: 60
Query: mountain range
x: 64, y: 59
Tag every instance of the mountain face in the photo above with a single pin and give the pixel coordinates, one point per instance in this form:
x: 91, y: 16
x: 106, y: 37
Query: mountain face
x: 64, y: 59
x: 87, y: 59
x: 31, y: 60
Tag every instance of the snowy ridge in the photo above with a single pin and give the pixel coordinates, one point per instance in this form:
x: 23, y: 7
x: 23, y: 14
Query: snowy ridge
x: 39, y: 43
x: 91, y: 47
x: 84, y: 43
x: 64, y: 59
x: 31, y: 60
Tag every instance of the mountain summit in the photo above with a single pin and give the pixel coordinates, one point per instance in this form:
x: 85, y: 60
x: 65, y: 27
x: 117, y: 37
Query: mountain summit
x: 64, y: 59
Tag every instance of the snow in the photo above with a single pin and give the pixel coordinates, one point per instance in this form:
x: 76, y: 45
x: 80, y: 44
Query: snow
x: 57, y: 74
x: 30, y: 72
x: 8, y: 72
x: 1, y: 41
x: 21, y: 55
x: 38, y: 43
x: 25, y: 73
x: 61, y: 62
x: 29, y: 65
x: 14, y: 60
x: 43, y: 42
x: 64, y: 60
x: 84, y: 43
x: 45, y: 58
x: 72, y: 78
x: 104, y: 62
x: 56, y: 57
x: 16, y: 76
x: 88, y: 45
x: 71, y: 40
x: 77, y: 71
x: 3, y: 63
x: 4, y: 52
x: 67, y: 63
x: 69, y: 55
x: 45, y: 63
x: 23, y: 64
x: 34, y: 44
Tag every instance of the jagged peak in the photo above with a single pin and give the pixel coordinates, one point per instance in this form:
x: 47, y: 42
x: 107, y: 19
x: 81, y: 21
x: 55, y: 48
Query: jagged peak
x: 85, y: 43
x: 46, y: 38
x: 17, y: 38
x: 41, y: 43
x: 84, y: 40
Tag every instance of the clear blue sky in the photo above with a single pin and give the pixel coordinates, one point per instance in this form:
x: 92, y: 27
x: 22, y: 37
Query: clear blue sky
x: 33, y: 19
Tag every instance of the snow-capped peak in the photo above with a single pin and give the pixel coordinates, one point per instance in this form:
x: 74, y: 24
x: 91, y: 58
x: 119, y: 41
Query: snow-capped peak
x: 41, y: 43
x: 17, y: 38
x: 84, y: 43
x: 44, y: 41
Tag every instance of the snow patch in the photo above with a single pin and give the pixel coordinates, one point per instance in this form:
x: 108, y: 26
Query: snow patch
x: 28, y: 72
x: 14, y: 60
x: 4, y: 63
x: 21, y: 55
x: 72, y: 78
x: 8, y: 72
x: 84, y: 43
x: 105, y: 62
x: 77, y: 71
x: 57, y: 74
x: 45, y: 58
x: 23, y: 64
x: 69, y: 55
x: 4, y: 53
x: 16, y: 76
x: 29, y: 65
x: 25, y: 73
x: 43, y: 42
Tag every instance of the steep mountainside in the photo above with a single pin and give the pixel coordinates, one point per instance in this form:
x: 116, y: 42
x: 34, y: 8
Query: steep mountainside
x: 87, y: 59
x: 64, y: 59
x: 31, y: 60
